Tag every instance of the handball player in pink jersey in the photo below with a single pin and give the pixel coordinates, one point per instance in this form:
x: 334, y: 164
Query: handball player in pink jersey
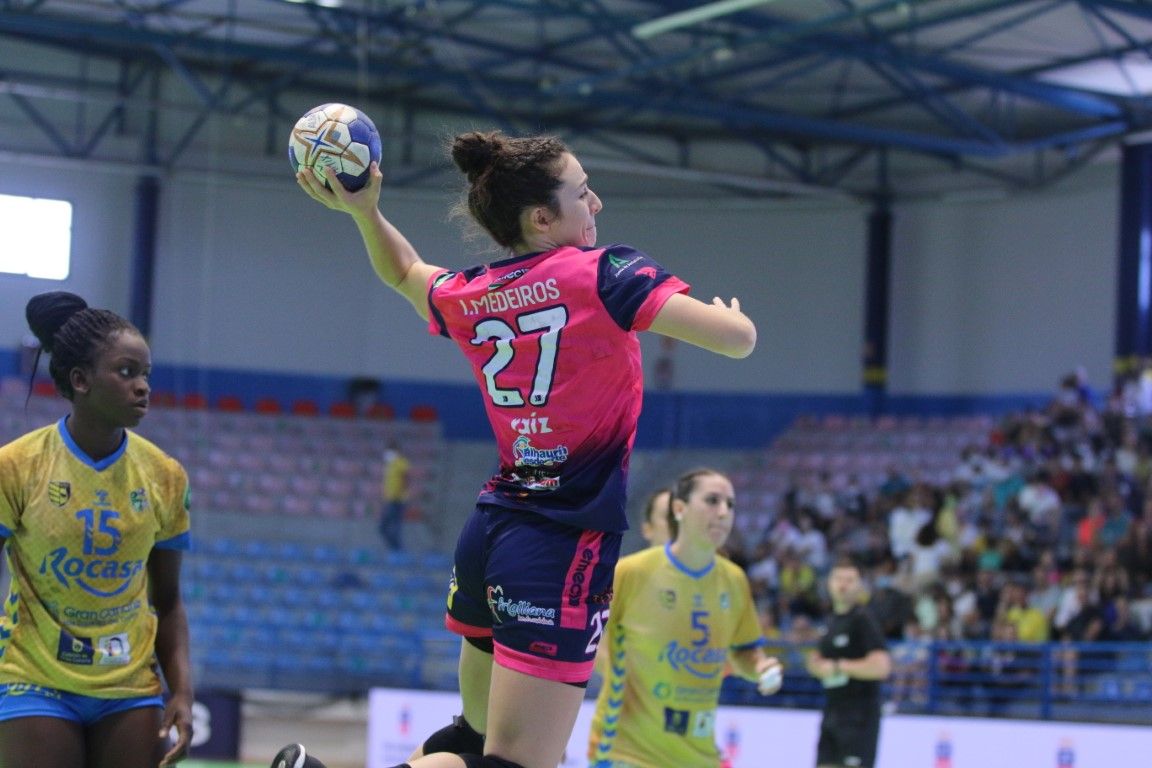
x: 550, y: 332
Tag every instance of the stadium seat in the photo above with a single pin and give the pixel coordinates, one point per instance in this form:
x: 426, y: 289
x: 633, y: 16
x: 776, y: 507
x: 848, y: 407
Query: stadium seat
x: 305, y: 408
x: 424, y: 413
x: 229, y: 403
x: 268, y: 405
x: 194, y: 401
x: 381, y: 411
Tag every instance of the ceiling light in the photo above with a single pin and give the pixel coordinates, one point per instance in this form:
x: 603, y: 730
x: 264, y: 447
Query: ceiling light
x: 1127, y: 76
x: 692, y: 16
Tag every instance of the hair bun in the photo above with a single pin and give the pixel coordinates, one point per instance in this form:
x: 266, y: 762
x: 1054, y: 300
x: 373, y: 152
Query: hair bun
x: 48, y: 312
x: 475, y: 152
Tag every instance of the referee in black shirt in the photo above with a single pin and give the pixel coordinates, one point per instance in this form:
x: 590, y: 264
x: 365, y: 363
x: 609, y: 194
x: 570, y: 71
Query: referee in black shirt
x: 850, y: 661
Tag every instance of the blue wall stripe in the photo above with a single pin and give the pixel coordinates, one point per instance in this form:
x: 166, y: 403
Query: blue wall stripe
x: 670, y: 419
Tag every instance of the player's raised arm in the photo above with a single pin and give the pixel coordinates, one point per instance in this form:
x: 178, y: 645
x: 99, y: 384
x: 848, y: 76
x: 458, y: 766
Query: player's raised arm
x: 716, y: 327
x: 393, y: 258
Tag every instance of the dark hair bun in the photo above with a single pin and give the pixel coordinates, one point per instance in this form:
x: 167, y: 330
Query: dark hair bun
x: 48, y: 312
x: 474, y: 153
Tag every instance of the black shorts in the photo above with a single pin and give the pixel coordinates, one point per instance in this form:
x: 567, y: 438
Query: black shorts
x: 848, y: 740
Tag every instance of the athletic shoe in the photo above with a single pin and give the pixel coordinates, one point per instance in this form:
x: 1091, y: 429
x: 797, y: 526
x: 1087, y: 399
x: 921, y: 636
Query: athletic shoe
x: 295, y: 756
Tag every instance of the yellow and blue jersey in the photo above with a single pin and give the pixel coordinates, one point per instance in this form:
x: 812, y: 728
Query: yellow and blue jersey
x: 669, y: 632
x: 79, y: 533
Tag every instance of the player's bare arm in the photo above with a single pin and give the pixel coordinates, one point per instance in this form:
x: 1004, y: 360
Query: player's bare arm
x: 172, y: 650
x: 717, y: 327
x: 393, y: 258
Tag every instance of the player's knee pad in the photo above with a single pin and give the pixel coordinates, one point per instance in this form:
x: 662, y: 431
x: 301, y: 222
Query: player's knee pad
x: 456, y: 738
x: 488, y: 761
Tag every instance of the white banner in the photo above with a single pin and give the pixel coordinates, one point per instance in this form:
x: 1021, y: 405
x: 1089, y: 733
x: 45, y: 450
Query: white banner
x: 754, y: 737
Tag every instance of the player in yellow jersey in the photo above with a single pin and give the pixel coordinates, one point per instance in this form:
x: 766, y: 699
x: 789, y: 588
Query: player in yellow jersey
x: 680, y: 617
x: 93, y: 519
x: 655, y: 527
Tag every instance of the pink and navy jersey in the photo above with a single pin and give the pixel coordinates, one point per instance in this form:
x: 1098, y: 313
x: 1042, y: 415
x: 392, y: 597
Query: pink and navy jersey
x: 552, y: 341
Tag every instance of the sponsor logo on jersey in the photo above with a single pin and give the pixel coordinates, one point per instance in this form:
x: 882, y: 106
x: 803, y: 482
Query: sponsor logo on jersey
x: 521, y: 610
x: 87, y: 572
x: 676, y: 721
x: 698, y: 662
x: 21, y: 689
x: 527, y: 455
x: 535, y: 482
x: 547, y: 649
x: 649, y: 272
x: 59, y: 492
x: 576, y: 588
x: 114, y: 650
x: 494, y: 594
x: 80, y: 617
x: 619, y: 265
x: 531, y: 425
x: 507, y: 278
x: 75, y: 650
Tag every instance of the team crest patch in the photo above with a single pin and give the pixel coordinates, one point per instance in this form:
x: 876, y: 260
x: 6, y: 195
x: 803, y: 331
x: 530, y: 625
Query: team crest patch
x: 59, y: 492
x: 138, y: 499
x: 668, y: 598
x: 75, y: 650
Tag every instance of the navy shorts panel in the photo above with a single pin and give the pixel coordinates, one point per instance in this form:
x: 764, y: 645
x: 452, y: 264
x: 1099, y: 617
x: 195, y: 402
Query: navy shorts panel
x: 539, y: 587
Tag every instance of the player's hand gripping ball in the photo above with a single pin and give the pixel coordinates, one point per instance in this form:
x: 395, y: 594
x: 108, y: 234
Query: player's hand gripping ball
x: 770, y: 680
x: 338, y: 136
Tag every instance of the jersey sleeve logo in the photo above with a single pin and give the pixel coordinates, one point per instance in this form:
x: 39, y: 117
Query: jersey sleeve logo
x: 59, y: 492
x: 618, y: 264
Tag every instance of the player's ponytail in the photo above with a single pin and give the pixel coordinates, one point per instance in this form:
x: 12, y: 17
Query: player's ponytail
x: 475, y: 153
x: 505, y: 175
x: 71, y: 332
x: 48, y: 312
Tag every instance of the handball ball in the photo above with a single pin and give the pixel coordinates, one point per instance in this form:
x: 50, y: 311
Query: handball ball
x: 339, y: 136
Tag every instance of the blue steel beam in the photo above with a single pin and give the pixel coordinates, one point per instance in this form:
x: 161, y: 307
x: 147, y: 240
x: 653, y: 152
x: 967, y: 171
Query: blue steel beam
x: 715, y: 108
x: 791, y: 35
x: 129, y: 84
x: 43, y: 124
x: 1069, y: 99
x: 777, y: 122
x: 1137, y: 8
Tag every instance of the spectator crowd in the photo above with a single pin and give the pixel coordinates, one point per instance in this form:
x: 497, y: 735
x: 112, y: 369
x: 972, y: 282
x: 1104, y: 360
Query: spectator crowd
x: 1041, y: 533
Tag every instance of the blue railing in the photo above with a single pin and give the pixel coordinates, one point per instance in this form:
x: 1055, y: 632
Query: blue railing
x: 1106, y: 682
